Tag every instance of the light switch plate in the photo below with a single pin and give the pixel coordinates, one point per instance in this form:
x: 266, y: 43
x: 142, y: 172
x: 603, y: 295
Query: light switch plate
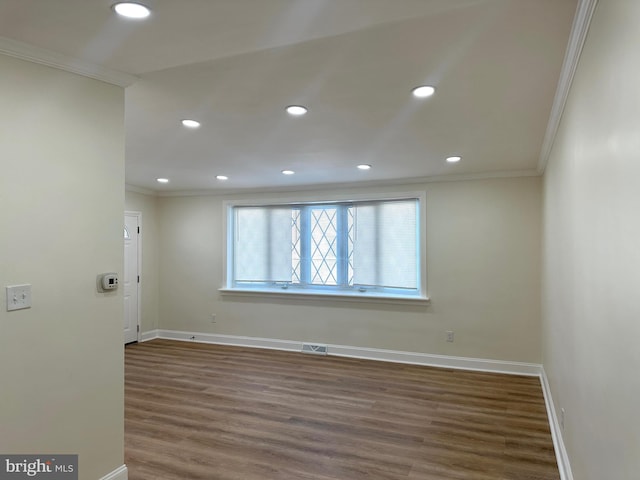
x: 18, y: 297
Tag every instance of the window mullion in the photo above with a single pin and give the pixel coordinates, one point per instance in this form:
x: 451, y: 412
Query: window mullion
x: 377, y: 248
x: 341, y: 250
x: 305, y: 245
x: 269, y: 239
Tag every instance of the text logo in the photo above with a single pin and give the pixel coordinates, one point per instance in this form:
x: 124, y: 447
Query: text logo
x: 49, y: 467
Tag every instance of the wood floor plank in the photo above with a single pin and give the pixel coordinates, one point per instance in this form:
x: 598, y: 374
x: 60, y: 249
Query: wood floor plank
x: 196, y: 411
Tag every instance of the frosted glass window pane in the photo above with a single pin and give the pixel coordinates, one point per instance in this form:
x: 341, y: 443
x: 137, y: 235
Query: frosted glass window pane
x: 251, y: 246
x: 385, y: 245
x: 351, y: 231
x: 397, y: 252
x: 263, y: 245
x: 280, y: 244
x: 365, y: 246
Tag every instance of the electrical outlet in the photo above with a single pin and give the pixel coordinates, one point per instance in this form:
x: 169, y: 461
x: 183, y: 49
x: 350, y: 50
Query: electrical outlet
x: 213, y: 318
x: 449, y: 336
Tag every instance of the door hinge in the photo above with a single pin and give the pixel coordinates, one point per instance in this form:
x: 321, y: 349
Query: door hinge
x: 138, y: 229
x: 138, y: 328
x: 138, y: 278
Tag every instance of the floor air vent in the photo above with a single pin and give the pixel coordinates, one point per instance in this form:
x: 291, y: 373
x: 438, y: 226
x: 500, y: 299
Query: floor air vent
x: 314, y: 348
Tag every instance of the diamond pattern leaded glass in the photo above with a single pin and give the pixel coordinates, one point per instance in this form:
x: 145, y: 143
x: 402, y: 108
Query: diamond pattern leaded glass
x: 324, y: 234
x: 295, y: 246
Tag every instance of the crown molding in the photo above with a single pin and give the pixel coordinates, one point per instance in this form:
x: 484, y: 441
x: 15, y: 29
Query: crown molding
x: 578, y: 35
x: 142, y: 190
x: 336, y: 186
x: 24, y: 51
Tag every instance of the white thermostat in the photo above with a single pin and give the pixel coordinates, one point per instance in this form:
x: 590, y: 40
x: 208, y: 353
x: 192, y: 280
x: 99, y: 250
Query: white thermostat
x: 107, y: 282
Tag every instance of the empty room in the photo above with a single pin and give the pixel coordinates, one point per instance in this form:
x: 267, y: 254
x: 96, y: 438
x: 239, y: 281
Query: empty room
x: 320, y: 239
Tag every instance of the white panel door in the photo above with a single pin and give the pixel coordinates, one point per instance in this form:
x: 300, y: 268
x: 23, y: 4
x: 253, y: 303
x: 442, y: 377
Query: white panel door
x: 131, y: 276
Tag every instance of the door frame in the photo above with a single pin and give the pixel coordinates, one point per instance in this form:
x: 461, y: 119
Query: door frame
x: 138, y: 215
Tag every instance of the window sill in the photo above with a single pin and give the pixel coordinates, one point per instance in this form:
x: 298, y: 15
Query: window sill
x: 356, y: 297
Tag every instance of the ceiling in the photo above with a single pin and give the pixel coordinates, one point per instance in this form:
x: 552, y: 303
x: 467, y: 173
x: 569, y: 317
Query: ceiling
x: 234, y: 65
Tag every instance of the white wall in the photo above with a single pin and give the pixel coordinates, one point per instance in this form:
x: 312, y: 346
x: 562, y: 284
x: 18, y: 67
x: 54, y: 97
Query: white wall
x: 62, y: 197
x: 591, y: 313
x: 150, y: 276
x: 483, y: 255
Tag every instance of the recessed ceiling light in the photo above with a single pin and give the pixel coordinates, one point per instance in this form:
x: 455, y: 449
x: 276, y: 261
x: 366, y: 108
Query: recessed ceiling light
x: 162, y: 180
x: 222, y: 177
x: 423, y: 91
x: 190, y: 123
x: 132, y: 10
x: 364, y: 166
x: 454, y: 159
x: 296, y: 110
x: 288, y: 172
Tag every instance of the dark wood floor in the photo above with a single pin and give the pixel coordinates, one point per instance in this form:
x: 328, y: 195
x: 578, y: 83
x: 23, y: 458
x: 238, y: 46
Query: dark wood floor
x: 197, y: 411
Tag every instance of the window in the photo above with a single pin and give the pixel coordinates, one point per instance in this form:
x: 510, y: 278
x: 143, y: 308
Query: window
x: 355, y: 248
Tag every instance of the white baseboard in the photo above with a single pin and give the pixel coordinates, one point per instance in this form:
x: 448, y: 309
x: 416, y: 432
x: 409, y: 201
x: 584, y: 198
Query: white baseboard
x: 150, y: 335
x: 556, y: 431
x: 443, y: 361
x: 415, y: 358
x: 256, y: 342
x: 119, y: 473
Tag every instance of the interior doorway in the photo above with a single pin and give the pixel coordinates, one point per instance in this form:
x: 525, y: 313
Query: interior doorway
x: 131, y: 277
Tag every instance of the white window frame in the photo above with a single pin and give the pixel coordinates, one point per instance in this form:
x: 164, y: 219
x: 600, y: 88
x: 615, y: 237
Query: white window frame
x: 356, y: 296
